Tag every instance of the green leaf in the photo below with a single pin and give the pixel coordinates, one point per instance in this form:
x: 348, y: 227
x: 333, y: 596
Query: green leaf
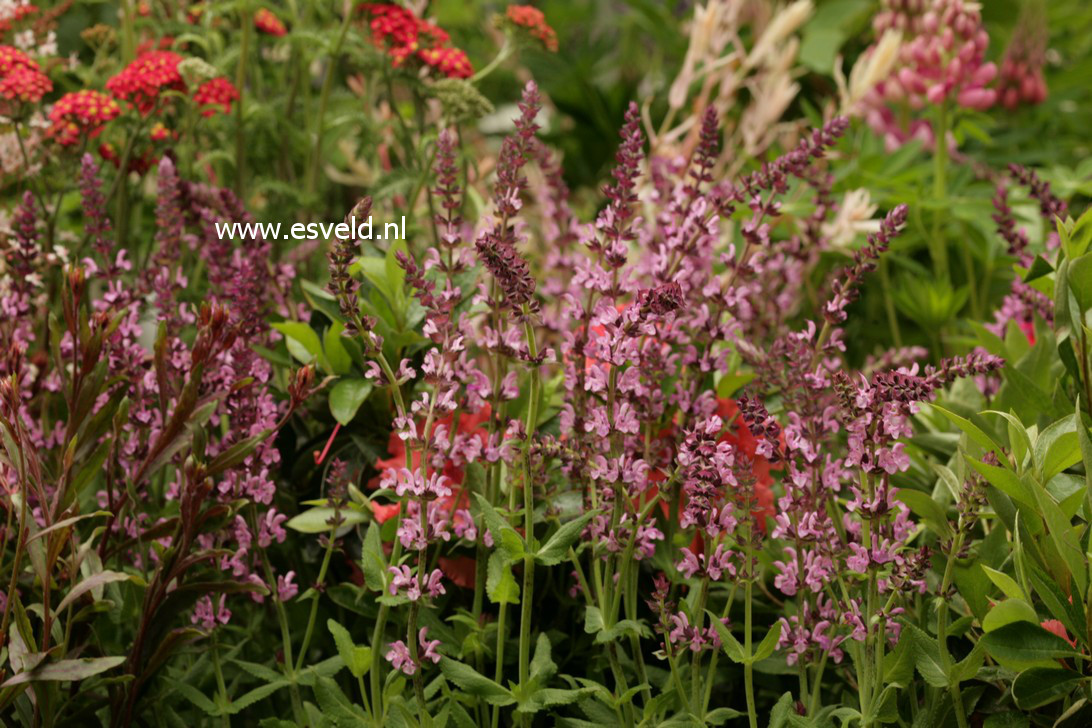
x: 357, y: 659
x: 731, y: 646
x: 974, y: 432
x: 969, y: 666
x: 557, y: 548
x: 593, y: 620
x: 65, y: 670
x: 549, y: 698
x: 508, y: 540
x: 622, y: 628
x: 1007, y: 612
x: 1026, y: 643
x: 475, y: 683
x: 97, y: 580
x: 928, y: 509
x: 302, y: 341
x: 346, y: 398
x: 261, y: 692
x: 500, y: 585
x: 1038, y: 686
x: 196, y: 697
x: 372, y: 560
x: 341, y: 363
x: 1005, y: 583
x: 768, y: 644
x: 542, y: 664
x: 337, y: 706
x: 1063, y: 536
x: 1005, y: 481
x: 720, y: 716
x: 1058, y: 447
x: 1080, y: 280
x: 316, y: 520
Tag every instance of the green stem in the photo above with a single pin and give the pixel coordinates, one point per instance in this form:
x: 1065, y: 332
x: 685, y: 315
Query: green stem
x: 324, y: 100
x: 240, y: 83
x: 315, y: 599
x: 748, y: 673
x: 938, y: 245
x: 528, y: 510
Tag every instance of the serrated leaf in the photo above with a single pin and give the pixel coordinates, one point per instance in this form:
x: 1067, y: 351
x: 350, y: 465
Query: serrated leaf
x: 731, y: 646
x: 473, y: 682
x: 357, y: 659
x: 556, y: 548
x: 500, y: 585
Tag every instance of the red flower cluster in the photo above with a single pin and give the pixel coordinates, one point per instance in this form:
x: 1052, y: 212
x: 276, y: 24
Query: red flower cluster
x: 217, y: 92
x: 452, y: 62
x: 404, y: 35
x: 79, y: 113
x: 534, y: 22
x: 159, y: 132
x: 12, y: 58
x: 24, y: 83
x: 146, y: 77
x: 268, y: 23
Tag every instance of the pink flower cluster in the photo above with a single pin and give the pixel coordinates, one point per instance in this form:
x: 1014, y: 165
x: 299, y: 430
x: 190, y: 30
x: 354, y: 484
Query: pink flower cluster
x: 942, y: 60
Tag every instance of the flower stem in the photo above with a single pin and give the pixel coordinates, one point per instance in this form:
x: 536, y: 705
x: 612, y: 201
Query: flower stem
x: 528, y: 510
x: 938, y: 246
x: 315, y: 600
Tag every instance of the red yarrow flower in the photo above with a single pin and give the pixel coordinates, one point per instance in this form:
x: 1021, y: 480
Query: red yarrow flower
x: 217, y: 92
x: 143, y: 80
x: 11, y: 58
x: 403, y: 35
x: 534, y: 22
x: 451, y: 62
x: 25, y: 84
x: 266, y: 22
x: 81, y: 113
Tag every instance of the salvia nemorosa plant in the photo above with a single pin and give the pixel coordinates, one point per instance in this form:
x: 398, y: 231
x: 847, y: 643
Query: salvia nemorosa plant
x: 583, y: 420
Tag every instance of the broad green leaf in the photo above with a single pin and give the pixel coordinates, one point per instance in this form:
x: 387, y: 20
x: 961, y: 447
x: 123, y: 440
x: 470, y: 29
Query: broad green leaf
x: 928, y: 509
x: 974, y: 432
x: 1058, y: 448
x: 1005, y: 481
x: 302, y: 341
x: 1024, y: 643
x: 1080, y: 280
x: 336, y: 354
x: 1005, y: 583
x: 373, y: 562
x: 347, y: 396
x: 316, y: 520
x: 1038, y: 686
